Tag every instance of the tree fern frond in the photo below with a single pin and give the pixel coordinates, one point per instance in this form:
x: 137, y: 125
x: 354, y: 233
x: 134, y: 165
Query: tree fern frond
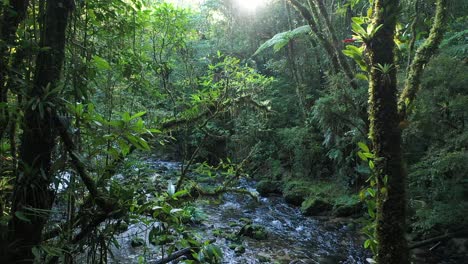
x: 280, y: 40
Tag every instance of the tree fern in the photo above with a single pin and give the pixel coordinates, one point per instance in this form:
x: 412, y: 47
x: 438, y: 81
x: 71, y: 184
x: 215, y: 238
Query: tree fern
x: 280, y: 40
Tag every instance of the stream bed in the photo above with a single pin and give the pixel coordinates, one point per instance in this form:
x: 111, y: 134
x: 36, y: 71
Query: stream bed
x: 291, y: 237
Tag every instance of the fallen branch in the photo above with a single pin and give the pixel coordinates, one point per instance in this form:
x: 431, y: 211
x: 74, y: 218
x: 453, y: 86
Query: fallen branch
x: 441, y: 238
x: 178, y: 254
x: 174, y: 256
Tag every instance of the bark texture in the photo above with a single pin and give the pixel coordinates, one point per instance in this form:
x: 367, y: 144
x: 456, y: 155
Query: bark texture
x: 32, y: 197
x: 386, y: 138
x: 423, y: 54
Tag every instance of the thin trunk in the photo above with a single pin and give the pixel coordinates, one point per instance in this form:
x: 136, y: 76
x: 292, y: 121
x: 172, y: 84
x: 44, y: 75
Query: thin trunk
x: 423, y: 54
x: 336, y: 45
x: 31, y: 195
x: 292, y: 63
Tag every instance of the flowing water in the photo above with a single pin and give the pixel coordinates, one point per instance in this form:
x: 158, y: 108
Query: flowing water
x: 292, y: 238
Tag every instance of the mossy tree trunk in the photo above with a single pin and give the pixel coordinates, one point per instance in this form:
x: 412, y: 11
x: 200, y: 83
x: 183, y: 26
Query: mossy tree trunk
x: 386, y: 137
x: 32, y: 197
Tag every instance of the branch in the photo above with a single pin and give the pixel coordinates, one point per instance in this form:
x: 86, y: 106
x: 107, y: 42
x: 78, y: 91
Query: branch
x: 104, y: 203
x: 178, y: 254
x: 330, y: 49
x: 422, y: 57
x: 440, y: 238
x: 175, y: 123
x: 322, y: 10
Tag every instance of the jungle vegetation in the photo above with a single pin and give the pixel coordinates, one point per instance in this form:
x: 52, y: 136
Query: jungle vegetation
x: 349, y: 108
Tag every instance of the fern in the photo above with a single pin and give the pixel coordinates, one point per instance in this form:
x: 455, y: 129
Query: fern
x: 280, y: 40
x: 455, y: 43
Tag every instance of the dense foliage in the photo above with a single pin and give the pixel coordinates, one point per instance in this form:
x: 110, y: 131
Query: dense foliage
x: 278, y: 95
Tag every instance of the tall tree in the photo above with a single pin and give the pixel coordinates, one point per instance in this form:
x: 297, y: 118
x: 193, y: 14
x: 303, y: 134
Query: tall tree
x: 385, y: 129
x: 32, y: 196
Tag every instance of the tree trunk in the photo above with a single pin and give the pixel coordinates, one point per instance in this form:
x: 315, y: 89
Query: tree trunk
x: 386, y: 138
x: 32, y: 196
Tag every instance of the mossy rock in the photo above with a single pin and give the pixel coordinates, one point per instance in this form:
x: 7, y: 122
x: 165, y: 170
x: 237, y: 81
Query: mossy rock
x: 253, y: 231
x: 233, y: 246
x: 316, y: 206
x: 266, y: 187
x: 239, y: 250
x: 137, y: 242
x: 294, y: 194
x: 350, y: 208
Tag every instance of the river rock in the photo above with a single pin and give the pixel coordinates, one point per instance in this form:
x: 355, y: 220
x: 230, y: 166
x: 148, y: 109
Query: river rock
x: 253, y: 231
x: 314, y: 206
x: 137, y: 242
x: 239, y: 250
x: 266, y: 187
x: 348, y: 209
x: 295, y: 198
x: 296, y: 192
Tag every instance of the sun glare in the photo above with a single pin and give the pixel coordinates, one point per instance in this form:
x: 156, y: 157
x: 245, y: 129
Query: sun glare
x: 250, y: 5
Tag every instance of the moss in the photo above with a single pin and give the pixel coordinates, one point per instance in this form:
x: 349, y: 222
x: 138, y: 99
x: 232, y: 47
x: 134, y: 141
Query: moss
x: 295, y: 192
x: 316, y: 206
x: 346, y: 206
x: 267, y: 187
x: 253, y: 231
x: 239, y: 250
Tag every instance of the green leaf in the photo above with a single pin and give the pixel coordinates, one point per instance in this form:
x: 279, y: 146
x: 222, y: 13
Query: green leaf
x: 101, y: 63
x: 358, y: 20
x: 139, y: 114
x: 362, y: 156
x: 180, y: 193
x: 363, y: 147
x: 280, y: 40
x: 367, y: 243
x: 359, y: 30
x: 361, y: 76
x: 371, y: 192
x: 371, y: 212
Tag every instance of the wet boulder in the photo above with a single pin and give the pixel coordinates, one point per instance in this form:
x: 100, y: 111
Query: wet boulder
x: 295, y: 193
x: 314, y: 206
x: 350, y: 208
x: 266, y: 187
